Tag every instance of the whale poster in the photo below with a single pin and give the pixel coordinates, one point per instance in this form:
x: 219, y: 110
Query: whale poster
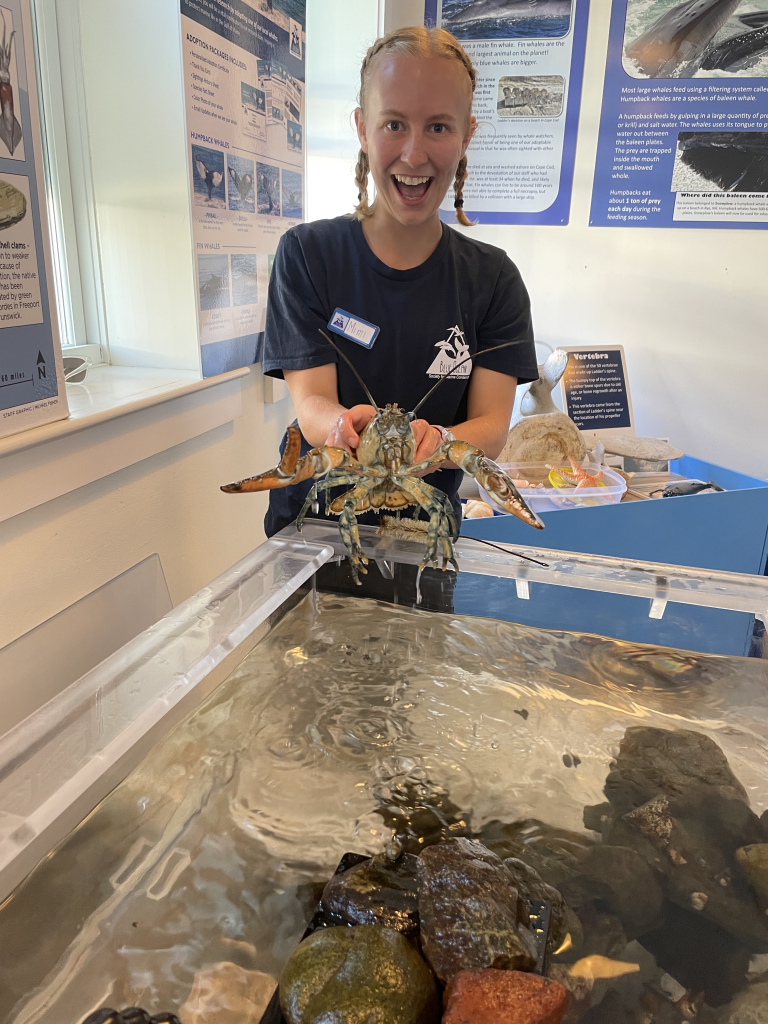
x: 244, y: 83
x: 683, y: 136
x: 529, y: 58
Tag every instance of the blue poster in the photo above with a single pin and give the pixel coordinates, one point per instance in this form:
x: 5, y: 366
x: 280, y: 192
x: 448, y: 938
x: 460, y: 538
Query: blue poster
x: 529, y: 58
x: 684, y: 127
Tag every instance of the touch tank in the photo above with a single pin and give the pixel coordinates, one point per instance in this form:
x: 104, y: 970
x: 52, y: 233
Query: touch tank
x: 168, y: 822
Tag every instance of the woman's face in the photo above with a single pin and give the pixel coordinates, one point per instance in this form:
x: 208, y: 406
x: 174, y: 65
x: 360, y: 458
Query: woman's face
x: 416, y: 128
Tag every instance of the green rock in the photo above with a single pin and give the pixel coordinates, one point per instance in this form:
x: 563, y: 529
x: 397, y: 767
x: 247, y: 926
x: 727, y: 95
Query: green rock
x: 357, y: 975
x: 13, y: 205
x: 753, y: 864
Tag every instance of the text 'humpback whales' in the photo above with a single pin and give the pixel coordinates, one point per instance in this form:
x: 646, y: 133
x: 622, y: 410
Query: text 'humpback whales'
x: 672, y: 46
x: 510, y: 10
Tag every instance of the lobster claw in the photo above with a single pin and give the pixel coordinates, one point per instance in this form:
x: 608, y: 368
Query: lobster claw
x: 286, y: 472
x: 500, y: 487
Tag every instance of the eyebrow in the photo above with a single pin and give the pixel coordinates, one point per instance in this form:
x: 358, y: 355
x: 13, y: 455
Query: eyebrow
x: 432, y: 117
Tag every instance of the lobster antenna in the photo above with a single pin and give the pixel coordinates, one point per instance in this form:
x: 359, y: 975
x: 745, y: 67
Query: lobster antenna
x: 517, y: 554
x: 468, y: 359
x: 350, y: 364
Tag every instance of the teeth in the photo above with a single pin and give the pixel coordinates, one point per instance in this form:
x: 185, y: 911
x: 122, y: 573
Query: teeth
x: 410, y: 181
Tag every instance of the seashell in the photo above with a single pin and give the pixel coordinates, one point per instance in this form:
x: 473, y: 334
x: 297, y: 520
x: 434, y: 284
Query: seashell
x: 596, y: 966
x: 549, y: 437
x: 13, y: 205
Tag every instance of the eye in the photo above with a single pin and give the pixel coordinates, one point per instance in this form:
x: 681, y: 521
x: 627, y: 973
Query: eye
x: 394, y: 126
x: 438, y: 129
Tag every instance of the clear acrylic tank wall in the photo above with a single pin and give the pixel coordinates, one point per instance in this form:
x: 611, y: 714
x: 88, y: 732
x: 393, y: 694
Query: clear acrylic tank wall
x: 166, y: 821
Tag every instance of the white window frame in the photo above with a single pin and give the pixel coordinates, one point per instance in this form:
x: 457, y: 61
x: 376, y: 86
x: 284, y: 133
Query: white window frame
x: 69, y: 182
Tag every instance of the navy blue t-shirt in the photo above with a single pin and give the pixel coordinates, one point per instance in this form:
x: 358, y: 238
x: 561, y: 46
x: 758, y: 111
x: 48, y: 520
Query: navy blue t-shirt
x: 467, y: 296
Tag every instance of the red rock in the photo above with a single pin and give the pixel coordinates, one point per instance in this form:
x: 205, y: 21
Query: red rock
x: 504, y: 997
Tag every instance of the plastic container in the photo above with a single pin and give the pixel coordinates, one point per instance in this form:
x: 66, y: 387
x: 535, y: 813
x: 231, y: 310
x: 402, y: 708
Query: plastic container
x: 552, y: 499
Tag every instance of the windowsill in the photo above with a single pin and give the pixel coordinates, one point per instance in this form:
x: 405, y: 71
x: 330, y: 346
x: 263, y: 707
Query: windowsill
x: 118, y: 417
x: 113, y: 391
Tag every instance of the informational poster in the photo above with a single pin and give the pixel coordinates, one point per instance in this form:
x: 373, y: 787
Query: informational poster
x: 596, y: 391
x: 244, y: 77
x: 529, y: 58
x: 31, y: 376
x: 684, y: 126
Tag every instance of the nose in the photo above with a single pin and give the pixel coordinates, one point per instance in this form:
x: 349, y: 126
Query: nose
x: 414, y: 151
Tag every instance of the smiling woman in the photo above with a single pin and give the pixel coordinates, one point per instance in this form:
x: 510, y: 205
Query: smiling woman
x: 408, y: 298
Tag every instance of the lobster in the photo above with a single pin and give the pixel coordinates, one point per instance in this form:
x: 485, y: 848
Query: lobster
x: 384, y: 477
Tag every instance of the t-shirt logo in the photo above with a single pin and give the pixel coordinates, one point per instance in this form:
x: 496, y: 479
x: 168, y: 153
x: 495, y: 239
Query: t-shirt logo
x: 452, y: 351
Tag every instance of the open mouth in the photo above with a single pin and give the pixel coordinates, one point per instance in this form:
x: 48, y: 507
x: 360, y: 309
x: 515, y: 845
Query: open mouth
x: 411, y: 189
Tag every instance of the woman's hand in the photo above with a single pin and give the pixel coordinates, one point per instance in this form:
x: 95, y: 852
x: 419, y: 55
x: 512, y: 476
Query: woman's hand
x: 345, y: 433
x: 428, y: 439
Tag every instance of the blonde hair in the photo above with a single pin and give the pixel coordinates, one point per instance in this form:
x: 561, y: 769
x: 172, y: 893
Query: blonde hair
x: 414, y: 41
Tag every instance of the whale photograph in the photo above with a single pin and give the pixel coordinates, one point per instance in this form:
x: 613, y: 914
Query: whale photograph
x: 696, y: 39
x: 506, y: 19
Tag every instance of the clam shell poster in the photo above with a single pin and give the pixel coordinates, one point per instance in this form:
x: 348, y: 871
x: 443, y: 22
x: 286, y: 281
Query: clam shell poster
x: 684, y: 126
x: 529, y: 57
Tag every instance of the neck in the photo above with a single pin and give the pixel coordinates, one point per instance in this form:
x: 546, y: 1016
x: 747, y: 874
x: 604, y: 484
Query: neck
x: 401, y: 246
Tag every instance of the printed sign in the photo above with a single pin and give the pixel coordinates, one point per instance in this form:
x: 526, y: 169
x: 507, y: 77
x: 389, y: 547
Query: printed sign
x: 529, y: 59
x: 244, y: 92
x: 31, y: 374
x: 596, y: 391
x: 683, y: 137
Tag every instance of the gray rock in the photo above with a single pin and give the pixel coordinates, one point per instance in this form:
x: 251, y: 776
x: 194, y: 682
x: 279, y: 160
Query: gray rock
x: 583, y: 870
x: 378, y: 891
x: 471, y: 914
x: 653, y: 762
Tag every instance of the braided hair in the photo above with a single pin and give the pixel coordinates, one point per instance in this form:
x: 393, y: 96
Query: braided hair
x: 413, y: 41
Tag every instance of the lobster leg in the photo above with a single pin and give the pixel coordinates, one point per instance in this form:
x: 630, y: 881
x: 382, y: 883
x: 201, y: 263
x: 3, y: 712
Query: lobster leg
x: 442, y: 527
x: 348, y: 527
x: 292, y: 470
x: 343, y: 480
x: 486, y: 472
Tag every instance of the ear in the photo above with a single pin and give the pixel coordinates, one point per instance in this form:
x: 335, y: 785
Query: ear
x: 471, y: 129
x: 360, y: 126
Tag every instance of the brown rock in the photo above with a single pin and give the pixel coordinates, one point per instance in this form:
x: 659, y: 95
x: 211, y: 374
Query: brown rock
x: 471, y: 914
x: 503, y: 997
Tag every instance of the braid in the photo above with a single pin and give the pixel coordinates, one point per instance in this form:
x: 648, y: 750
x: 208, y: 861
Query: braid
x: 458, y: 191
x: 362, y: 210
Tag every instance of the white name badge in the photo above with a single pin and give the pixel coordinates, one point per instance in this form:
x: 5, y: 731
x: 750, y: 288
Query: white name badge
x: 353, y: 328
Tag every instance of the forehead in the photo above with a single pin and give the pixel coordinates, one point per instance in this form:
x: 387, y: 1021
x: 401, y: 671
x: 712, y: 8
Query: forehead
x: 418, y: 86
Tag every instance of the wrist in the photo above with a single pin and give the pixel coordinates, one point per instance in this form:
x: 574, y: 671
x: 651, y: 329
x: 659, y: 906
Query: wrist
x: 445, y: 433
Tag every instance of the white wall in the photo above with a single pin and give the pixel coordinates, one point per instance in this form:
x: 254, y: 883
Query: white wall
x: 170, y: 504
